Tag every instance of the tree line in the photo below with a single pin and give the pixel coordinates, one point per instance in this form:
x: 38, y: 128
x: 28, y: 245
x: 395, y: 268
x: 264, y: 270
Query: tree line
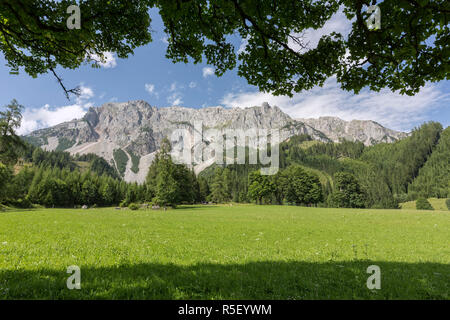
x: 350, y: 173
x: 345, y: 174
x: 30, y: 175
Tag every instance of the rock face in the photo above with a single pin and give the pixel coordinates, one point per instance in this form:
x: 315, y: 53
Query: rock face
x: 128, y: 134
x: 367, y: 131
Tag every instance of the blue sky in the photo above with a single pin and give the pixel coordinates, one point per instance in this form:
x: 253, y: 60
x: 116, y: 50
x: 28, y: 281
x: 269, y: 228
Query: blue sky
x: 149, y: 76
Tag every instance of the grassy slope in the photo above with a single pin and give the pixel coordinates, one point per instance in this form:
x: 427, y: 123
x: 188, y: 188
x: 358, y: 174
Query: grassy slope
x: 216, y: 252
x: 307, y: 144
x: 437, y: 204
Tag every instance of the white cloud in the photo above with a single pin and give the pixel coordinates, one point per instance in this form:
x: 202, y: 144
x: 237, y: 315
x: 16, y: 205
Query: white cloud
x: 175, y: 99
x: 338, y: 23
x: 310, y: 38
x: 86, y: 93
x: 43, y: 117
x: 34, y: 119
x: 392, y: 110
x: 207, y: 71
x: 150, y: 88
x: 192, y: 84
x: 173, y: 86
x: 108, y: 60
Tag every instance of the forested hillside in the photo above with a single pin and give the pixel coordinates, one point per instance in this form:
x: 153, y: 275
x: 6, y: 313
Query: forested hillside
x: 433, y: 179
x: 399, y: 163
x: 378, y: 175
x: 57, y: 179
x: 312, y: 173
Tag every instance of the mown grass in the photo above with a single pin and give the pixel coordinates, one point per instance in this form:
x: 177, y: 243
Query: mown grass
x: 437, y: 204
x: 225, y: 252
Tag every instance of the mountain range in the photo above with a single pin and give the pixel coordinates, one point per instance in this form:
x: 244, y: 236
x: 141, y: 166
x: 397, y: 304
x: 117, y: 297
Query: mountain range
x: 128, y: 134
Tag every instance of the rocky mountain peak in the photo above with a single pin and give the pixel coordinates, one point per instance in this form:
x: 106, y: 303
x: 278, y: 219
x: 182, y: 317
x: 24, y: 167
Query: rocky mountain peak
x: 133, y: 130
x: 367, y: 131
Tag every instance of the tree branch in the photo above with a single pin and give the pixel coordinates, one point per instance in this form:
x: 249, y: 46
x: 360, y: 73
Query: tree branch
x: 76, y: 91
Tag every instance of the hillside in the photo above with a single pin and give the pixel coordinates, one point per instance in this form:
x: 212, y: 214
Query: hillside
x: 433, y: 179
x: 383, y: 172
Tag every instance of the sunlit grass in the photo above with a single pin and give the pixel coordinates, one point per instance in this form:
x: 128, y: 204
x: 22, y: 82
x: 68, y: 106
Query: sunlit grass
x: 437, y: 204
x: 225, y: 252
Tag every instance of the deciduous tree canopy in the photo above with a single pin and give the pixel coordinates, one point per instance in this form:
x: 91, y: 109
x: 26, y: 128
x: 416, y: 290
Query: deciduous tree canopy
x: 10, y: 143
x: 409, y: 49
x: 34, y: 33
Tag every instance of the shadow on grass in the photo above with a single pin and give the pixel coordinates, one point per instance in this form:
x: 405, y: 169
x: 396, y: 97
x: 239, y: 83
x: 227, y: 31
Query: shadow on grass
x: 185, y: 206
x: 255, y: 280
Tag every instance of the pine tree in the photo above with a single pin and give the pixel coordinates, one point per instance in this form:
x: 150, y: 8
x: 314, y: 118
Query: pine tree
x: 5, y: 176
x: 166, y: 187
x: 107, y: 191
x: 218, y: 190
x: 423, y: 204
x: 203, y: 189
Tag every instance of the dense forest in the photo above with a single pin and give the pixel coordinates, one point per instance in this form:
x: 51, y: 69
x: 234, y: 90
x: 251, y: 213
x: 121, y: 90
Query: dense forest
x: 346, y: 174
x: 433, y: 179
x: 350, y: 174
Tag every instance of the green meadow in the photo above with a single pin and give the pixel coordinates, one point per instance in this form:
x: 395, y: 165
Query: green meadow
x: 437, y: 204
x: 225, y: 252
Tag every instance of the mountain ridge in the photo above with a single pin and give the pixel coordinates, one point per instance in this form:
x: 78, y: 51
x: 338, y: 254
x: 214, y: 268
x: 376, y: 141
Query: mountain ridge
x: 367, y: 131
x: 137, y: 128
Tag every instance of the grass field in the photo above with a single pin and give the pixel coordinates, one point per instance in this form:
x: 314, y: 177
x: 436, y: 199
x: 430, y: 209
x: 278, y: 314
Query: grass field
x: 437, y: 204
x: 225, y: 252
